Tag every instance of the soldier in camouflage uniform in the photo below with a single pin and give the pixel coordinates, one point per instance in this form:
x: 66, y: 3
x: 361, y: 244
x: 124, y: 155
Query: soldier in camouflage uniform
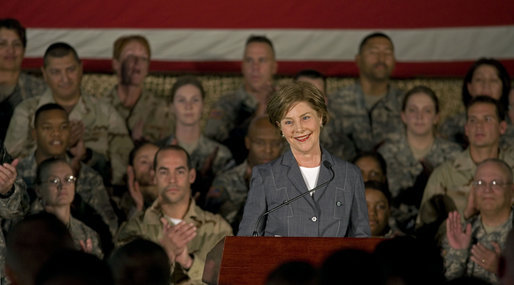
x: 487, y: 77
x: 369, y: 110
x: 208, y: 156
x: 229, y: 190
x: 98, y: 125
x: 14, y: 202
x: 147, y: 117
x: 55, y: 187
x: 411, y: 155
x: 174, y: 216
x: 229, y: 117
x: 15, y: 86
x: 452, y: 180
x: 474, y: 249
x: 89, y: 184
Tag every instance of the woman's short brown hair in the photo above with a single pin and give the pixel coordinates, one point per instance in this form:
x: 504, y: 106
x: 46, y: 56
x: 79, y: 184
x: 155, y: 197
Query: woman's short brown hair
x: 283, y: 100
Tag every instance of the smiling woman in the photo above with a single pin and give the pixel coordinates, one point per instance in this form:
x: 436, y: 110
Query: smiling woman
x: 319, y: 202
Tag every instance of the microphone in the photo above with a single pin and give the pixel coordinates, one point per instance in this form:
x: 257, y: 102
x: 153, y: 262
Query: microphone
x: 327, y: 164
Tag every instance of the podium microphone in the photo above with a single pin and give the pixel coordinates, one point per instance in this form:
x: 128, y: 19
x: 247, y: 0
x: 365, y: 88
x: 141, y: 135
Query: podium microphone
x: 327, y: 164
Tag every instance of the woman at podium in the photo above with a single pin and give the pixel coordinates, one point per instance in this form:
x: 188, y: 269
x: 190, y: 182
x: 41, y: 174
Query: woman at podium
x: 307, y: 191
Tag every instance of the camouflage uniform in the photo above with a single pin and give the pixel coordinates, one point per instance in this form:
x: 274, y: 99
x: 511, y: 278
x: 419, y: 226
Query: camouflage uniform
x: 228, y: 193
x: 229, y: 111
x: 28, y: 86
x: 210, y: 229
x: 203, y: 150
x: 407, y: 176
x: 403, y: 168
x: 458, y: 262
x: 366, y: 128
x: 13, y: 206
x: 452, y: 129
x: 453, y: 178
x: 105, y: 133
x: 154, y: 112
x: 89, y: 186
x: 80, y: 232
x: 333, y: 138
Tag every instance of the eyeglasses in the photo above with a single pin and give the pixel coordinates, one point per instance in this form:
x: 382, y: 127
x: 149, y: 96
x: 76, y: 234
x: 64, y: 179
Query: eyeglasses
x: 68, y: 180
x: 495, y: 185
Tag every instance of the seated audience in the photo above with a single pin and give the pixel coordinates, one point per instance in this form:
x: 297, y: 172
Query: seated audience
x: 486, y: 77
x: 372, y: 165
x: 142, y: 191
x: 146, y: 116
x: 14, y: 202
x: 140, y: 262
x: 229, y: 117
x: 55, y: 187
x: 451, y: 182
x: 185, y: 231
x: 52, y: 133
x: 474, y: 249
x: 98, y: 126
x: 207, y: 156
x: 378, y: 200
x: 369, y: 110
x: 71, y: 267
x: 30, y: 243
x: 412, y: 155
x: 229, y: 190
x: 15, y: 85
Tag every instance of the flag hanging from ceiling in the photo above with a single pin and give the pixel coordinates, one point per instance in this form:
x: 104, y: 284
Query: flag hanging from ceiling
x: 431, y: 38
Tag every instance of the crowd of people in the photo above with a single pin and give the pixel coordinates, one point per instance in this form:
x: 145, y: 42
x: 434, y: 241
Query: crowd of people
x: 136, y: 180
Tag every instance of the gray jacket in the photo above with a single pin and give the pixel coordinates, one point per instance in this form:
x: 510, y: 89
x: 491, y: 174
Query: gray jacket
x: 336, y: 210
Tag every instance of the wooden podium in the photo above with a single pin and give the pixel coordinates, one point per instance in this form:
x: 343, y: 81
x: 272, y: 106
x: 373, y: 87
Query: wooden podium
x: 249, y: 260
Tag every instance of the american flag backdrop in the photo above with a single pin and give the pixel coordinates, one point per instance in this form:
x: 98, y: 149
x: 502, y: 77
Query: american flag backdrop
x: 432, y: 38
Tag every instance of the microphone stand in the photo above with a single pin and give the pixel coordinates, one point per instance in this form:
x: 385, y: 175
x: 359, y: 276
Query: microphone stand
x: 327, y: 164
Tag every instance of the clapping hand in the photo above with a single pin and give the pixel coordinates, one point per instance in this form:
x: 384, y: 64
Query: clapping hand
x: 458, y: 238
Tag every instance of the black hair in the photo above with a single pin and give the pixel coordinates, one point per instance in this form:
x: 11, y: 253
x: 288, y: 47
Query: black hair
x: 47, y: 107
x: 502, y: 74
x: 371, y: 36
x: 500, y: 112
x: 13, y: 24
x: 59, y: 49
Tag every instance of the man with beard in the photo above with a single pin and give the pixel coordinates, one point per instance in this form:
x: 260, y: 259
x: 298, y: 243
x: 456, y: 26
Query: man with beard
x: 369, y: 110
x: 186, y: 232
x: 147, y: 117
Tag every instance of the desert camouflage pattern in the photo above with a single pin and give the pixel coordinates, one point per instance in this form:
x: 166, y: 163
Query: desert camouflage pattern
x: 154, y: 113
x: 105, y: 132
